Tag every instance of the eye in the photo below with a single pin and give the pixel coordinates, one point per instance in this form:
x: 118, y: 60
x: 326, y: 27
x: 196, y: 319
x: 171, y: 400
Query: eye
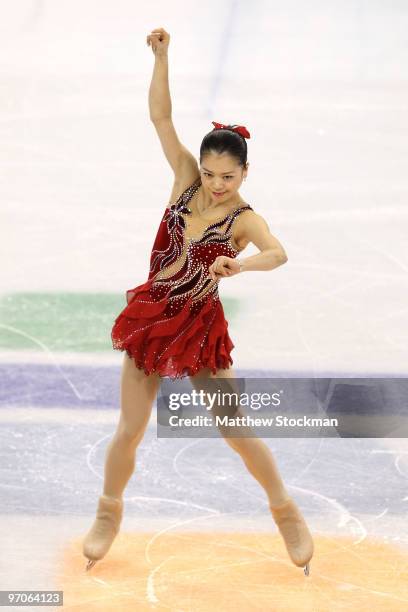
x: 228, y: 176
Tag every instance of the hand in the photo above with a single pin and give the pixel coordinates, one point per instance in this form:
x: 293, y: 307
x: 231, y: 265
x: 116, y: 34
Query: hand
x: 223, y: 266
x: 159, y: 40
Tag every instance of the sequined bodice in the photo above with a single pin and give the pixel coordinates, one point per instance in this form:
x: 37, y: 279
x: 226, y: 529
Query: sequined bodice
x: 179, y: 263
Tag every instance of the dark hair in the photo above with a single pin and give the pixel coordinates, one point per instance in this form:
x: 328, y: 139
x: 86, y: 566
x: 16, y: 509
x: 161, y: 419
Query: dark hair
x: 225, y: 141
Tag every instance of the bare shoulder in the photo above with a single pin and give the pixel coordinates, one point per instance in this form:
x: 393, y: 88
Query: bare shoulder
x: 181, y: 160
x: 185, y: 176
x: 255, y: 229
x: 242, y: 222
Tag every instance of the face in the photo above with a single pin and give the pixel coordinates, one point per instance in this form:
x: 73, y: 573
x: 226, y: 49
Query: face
x: 221, y: 174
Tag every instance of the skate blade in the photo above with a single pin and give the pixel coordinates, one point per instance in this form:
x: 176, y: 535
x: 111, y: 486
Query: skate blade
x: 306, y: 569
x: 90, y: 564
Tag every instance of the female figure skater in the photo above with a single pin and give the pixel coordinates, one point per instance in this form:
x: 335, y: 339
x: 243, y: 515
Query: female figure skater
x: 174, y: 325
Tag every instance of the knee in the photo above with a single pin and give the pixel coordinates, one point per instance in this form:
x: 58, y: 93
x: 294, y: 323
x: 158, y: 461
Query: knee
x: 128, y: 436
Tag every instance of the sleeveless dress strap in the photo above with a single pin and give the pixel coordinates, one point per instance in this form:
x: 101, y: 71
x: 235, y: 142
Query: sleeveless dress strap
x: 232, y: 216
x: 186, y: 195
x: 235, y: 213
x: 190, y: 191
x: 238, y: 211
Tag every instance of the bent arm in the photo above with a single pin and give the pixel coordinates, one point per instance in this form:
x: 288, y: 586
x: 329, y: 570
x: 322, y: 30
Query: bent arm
x: 272, y: 254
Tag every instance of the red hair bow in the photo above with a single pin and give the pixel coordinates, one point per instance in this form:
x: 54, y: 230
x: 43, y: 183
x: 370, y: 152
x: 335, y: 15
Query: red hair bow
x: 241, y: 129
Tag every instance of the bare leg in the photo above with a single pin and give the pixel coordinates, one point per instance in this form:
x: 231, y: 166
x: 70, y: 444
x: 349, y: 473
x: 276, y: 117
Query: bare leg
x: 137, y: 394
x: 253, y: 451
x: 261, y: 464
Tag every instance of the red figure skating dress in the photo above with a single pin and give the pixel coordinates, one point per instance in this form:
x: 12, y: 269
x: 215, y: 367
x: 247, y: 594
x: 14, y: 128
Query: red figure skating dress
x: 174, y: 323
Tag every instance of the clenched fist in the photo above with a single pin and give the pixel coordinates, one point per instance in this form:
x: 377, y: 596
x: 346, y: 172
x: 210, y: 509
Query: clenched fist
x: 159, y: 40
x: 223, y: 266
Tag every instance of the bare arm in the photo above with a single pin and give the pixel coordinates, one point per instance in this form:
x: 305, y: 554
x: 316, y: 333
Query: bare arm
x: 182, y: 162
x: 271, y: 252
x: 159, y: 92
x: 271, y: 255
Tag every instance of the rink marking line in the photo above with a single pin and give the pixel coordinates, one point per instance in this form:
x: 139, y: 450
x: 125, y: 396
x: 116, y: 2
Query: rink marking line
x: 64, y: 415
x: 63, y: 358
x: 49, y: 352
x: 245, y: 369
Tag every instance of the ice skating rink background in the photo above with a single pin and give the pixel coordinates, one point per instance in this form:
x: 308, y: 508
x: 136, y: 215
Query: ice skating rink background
x: 322, y: 87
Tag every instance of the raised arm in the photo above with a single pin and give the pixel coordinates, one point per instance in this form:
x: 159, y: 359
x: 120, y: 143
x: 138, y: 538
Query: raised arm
x: 182, y: 162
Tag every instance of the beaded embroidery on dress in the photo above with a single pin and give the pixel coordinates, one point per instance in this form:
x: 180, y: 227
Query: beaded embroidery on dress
x: 174, y: 323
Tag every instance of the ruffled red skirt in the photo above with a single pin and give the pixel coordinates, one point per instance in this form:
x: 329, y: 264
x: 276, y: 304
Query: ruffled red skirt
x: 173, y: 345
